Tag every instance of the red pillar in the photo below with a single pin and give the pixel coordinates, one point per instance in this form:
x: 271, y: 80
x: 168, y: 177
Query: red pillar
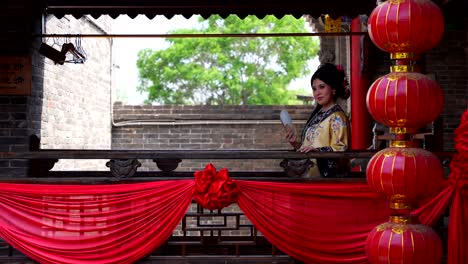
x: 361, y: 121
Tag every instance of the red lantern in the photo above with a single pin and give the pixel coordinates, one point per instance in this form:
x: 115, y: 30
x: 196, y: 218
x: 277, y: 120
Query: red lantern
x: 399, y: 241
x: 406, y: 26
x: 405, y: 100
x: 405, y: 175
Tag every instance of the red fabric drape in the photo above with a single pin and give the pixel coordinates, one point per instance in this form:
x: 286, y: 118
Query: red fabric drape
x: 91, y: 224
x: 455, y: 194
x: 314, y: 222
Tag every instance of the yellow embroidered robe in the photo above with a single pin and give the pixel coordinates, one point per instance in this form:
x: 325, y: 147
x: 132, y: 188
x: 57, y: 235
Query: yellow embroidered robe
x: 326, y: 131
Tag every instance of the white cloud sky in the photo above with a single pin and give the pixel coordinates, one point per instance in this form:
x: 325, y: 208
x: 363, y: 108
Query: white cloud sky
x: 125, y: 72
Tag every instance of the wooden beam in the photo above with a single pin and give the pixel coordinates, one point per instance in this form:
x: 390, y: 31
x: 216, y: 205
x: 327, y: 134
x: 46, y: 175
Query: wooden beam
x: 180, y: 154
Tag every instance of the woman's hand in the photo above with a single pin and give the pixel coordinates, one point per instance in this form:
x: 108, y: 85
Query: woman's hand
x: 306, y: 149
x: 291, y: 136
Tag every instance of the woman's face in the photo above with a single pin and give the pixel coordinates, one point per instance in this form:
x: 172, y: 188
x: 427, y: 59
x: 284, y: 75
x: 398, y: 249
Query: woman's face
x: 323, y: 93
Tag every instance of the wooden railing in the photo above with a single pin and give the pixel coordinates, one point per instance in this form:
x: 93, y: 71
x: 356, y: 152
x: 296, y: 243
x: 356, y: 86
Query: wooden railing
x: 185, y: 154
x: 124, y: 164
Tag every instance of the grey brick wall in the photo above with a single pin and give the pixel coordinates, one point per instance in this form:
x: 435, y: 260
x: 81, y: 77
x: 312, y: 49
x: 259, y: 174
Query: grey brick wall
x: 17, y: 19
x: 449, y: 64
x: 76, y: 98
x: 206, y: 128
x: 13, y: 133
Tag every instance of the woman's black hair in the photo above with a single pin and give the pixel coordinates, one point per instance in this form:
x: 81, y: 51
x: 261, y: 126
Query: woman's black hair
x: 333, y: 76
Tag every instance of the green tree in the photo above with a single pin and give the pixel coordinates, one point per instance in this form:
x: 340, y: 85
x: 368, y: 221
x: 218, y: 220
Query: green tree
x: 228, y: 70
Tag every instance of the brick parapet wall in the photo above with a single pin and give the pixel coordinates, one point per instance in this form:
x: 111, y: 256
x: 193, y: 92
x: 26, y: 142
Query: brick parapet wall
x: 124, y: 113
x: 206, y: 128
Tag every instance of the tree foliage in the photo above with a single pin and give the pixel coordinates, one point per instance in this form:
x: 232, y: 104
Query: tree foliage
x: 228, y: 70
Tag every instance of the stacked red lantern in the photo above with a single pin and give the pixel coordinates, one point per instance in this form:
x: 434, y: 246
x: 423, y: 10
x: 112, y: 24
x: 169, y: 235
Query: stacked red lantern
x: 405, y: 175
x: 410, y: 27
x: 400, y: 241
x: 406, y: 101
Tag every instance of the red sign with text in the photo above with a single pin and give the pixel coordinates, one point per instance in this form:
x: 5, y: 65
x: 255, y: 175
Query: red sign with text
x: 15, y: 75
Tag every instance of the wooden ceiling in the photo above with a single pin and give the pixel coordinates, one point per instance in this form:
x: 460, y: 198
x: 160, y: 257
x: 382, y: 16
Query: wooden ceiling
x: 206, y: 8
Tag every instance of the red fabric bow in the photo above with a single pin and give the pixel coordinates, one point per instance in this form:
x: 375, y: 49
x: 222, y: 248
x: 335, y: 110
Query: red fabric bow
x: 214, y: 190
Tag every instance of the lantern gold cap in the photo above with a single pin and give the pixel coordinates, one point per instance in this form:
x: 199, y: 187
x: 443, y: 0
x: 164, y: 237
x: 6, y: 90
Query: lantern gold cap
x: 403, y: 56
x: 403, y: 219
x: 403, y: 144
x: 402, y: 130
x: 404, y: 68
x: 399, y: 202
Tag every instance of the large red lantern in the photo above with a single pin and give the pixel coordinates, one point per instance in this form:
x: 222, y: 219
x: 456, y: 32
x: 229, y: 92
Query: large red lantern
x: 405, y: 99
x: 399, y: 241
x: 405, y: 175
x: 406, y: 26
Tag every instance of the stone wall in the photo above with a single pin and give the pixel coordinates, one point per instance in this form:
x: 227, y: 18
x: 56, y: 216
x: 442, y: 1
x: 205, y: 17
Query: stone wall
x: 204, y: 128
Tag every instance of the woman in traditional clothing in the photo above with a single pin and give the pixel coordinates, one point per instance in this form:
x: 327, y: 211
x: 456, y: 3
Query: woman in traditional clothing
x: 327, y: 128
